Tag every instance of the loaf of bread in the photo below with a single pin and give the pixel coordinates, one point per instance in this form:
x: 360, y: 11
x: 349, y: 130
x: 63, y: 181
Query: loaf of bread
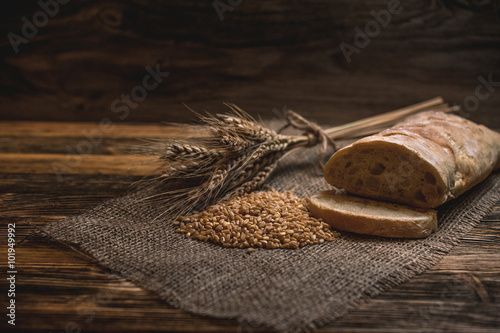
x: 366, y: 216
x: 423, y: 161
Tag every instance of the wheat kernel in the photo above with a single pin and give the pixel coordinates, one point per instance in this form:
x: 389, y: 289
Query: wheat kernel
x: 268, y: 220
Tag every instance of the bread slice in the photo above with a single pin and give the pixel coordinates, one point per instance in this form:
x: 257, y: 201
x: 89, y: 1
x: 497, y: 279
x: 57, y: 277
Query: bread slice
x: 372, y: 217
x: 424, y: 161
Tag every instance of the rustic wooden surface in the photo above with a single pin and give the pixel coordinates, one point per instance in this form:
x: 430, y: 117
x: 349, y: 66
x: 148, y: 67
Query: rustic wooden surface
x: 60, y: 289
x: 262, y: 56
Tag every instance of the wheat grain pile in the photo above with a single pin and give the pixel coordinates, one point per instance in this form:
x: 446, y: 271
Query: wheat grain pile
x: 265, y: 219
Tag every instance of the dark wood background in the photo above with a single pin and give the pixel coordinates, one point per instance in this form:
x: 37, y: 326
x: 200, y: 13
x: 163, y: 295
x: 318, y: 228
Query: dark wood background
x: 264, y: 55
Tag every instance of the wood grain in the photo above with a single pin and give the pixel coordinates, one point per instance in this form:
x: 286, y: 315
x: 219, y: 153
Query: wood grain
x: 60, y: 288
x: 86, y: 131
x: 264, y: 55
x: 82, y: 164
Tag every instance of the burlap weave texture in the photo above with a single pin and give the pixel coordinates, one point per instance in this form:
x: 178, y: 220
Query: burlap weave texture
x: 286, y: 290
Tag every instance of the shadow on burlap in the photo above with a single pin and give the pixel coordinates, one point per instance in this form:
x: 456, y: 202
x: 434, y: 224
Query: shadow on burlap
x: 286, y: 290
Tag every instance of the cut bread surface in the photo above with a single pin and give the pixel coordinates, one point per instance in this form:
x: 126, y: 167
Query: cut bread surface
x: 386, y: 170
x: 366, y: 216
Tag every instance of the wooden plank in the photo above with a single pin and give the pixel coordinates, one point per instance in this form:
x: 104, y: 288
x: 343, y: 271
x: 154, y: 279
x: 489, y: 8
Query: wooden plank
x: 65, y: 145
x: 73, y: 184
x: 264, y: 55
x: 77, y: 164
x: 90, y: 131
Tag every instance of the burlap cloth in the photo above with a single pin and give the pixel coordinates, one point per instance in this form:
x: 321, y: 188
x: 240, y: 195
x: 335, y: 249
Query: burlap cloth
x: 286, y: 290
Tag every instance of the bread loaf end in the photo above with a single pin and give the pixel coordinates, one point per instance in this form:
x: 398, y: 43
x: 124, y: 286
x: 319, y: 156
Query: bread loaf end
x: 386, y: 170
x: 424, y: 161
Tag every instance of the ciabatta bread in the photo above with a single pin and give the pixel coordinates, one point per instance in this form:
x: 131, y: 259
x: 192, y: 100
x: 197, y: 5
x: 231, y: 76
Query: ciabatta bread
x: 366, y: 216
x: 424, y: 161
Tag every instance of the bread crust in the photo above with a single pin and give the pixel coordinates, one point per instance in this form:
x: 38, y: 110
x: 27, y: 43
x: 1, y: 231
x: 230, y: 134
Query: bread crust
x: 427, y: 159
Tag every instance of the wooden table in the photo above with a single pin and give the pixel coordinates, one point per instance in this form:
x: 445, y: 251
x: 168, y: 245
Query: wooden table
x: 52, y: 170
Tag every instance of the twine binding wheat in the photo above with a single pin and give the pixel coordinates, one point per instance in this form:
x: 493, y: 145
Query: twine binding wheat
x: 231, y: 154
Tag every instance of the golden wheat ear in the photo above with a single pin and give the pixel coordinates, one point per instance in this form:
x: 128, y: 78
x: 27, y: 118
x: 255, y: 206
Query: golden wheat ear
x: 235, y: 155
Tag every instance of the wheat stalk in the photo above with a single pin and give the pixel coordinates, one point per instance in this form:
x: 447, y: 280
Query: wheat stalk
x: 231, y: 154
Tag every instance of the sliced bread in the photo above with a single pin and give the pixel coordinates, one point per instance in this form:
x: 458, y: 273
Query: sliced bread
x: 372, y: 217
